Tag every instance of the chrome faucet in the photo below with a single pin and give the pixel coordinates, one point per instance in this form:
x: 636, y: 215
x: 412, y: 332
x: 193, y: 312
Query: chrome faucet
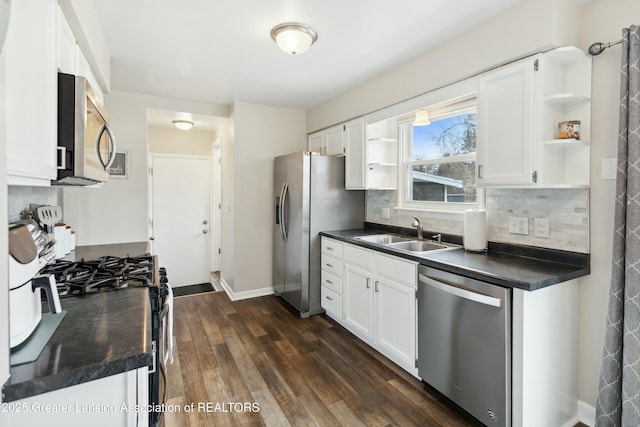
x: 418, y: 225
x: 437, y: 238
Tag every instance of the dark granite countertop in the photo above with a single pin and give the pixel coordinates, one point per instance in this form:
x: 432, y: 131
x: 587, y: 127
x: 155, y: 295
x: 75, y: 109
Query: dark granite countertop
x: 101, y: 335
x: 504, y: 265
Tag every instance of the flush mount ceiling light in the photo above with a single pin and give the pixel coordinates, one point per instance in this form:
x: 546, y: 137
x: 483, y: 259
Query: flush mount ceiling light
x: 422, y: 118
x: 293, y: 38
x: 183, y: 124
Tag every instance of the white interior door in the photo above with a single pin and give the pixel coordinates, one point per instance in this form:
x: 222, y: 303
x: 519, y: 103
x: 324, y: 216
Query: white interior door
x: 181, y: 217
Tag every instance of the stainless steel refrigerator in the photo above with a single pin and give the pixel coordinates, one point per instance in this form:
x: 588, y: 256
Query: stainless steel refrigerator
x: 309, y: 197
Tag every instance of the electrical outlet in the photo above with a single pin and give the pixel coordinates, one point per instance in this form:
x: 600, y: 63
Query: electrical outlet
x: 519, y: 225
x: 541, y: 227
x: 385, y: 214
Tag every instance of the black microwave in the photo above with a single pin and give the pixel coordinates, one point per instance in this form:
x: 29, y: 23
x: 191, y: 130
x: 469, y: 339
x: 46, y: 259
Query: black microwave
x: 86, y: 145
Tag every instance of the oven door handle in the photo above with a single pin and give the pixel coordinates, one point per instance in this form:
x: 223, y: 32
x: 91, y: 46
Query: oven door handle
x: 166, y: 316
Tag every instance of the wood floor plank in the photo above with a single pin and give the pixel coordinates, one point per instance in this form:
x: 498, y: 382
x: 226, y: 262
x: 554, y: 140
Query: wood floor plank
x: 292, y: 371
x: 248, y: 370
x: 345, y: 415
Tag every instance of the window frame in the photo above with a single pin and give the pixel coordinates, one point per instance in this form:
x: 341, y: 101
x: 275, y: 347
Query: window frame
x: 449, y: 108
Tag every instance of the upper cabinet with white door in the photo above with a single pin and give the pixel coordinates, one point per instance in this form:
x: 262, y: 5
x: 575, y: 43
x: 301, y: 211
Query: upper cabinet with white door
x: 520, y: 107
x: 69, y: 57
x: 31, y: 93
x: 505, y: 125
x: 328, y: 142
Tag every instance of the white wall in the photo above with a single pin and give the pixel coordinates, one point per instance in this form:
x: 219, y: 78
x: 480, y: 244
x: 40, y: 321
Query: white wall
x: 117, y: 212
x: 227, y: 269
x: 603, y: 21
x: 521, y: 30
x: 261, y: 133
x: 175, y: 141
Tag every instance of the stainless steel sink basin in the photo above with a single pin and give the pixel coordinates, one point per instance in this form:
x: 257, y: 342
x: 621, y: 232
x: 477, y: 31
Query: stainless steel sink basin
x: 418, y: 246
x: 383, y: 239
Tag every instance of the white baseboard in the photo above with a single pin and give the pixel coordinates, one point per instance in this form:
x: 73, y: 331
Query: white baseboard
x: 586, y: 413
x: 236, y: 296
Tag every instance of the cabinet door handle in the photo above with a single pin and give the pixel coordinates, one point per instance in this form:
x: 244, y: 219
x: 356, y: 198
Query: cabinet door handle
x: 329, y: 298
x: 377, y: 286
x: 329, y: 265
x: 329, y: 248
x: 329, y: 282
x: 480, y: 171
x: 368, y: 283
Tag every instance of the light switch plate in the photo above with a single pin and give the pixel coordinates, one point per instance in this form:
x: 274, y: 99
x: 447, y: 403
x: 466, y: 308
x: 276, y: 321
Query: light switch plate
x: 541, y: 227
x: 609, y: 167
x: 519, y: 225
x: 385, y: 214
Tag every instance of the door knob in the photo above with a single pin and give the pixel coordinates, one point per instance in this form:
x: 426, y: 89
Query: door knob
x: 152, y: 238
x: 205, y: 231
x: 205, y: 222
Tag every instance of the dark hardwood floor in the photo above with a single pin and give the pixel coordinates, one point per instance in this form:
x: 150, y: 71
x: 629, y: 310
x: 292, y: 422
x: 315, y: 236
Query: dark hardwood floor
x: 255, y: 362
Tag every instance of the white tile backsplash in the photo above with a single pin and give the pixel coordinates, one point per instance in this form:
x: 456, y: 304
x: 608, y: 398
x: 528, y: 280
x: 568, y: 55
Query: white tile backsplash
x: 20, y: 198
x: 566, y: 209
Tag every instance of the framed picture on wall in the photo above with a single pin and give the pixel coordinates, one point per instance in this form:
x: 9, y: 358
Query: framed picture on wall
x: 120, y: 166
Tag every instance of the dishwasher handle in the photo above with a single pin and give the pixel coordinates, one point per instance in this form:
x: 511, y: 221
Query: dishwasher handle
x: 462, y: 293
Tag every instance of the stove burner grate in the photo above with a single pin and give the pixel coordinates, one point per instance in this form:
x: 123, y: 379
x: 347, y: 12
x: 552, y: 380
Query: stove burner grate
x: 102, y: 274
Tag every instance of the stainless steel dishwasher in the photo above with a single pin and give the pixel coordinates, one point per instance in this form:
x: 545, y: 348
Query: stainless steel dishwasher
x: 464, y: 343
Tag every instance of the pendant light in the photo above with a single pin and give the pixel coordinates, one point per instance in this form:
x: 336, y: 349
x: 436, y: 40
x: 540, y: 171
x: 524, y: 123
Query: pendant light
x: 422, y: 118
x: 293, y: 38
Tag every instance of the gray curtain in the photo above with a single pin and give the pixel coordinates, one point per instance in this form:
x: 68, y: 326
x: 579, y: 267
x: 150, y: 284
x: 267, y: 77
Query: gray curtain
x: 619, y: 391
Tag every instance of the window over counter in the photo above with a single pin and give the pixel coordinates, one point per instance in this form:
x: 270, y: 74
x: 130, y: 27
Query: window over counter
x: 439, y: 159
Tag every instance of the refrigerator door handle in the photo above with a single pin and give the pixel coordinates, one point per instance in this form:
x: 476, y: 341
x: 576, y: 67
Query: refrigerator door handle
x: 283, y: 214
x: 279, y: 210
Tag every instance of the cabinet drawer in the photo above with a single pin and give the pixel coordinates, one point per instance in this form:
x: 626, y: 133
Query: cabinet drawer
x: 357, y: 256
x: 331, y: 302
x: 332, y: 282
x: 397, y: 269
x: 331, y: 265
x: 332, y: 247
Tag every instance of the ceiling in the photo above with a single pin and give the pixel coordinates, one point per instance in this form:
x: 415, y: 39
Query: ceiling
x: 220, y: 51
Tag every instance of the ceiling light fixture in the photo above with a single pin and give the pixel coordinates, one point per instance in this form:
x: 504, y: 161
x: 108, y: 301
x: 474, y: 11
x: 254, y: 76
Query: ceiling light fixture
x: 293, y: 38
x: 183, y: 124
x: 422, y: 118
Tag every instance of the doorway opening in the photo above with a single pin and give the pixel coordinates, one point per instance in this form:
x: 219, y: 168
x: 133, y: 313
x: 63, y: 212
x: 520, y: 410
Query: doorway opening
x: 184, y: 183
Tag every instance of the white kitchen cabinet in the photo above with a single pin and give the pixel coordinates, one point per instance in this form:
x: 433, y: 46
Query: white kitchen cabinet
x: 505, y: 125
x: 395, y: 309
x: 66, y: 45
x: 544, y: 335
x: 354, y: 144
x: 316, y: 142
x: 31, y: 93
x: 371, y: 155
x: 357, y: 289
x: 328, y: 142
x: 331, y: 277
x: 379, y: 302
x: 69, y: 57
x: 109, y: 401
x: 519, y: 108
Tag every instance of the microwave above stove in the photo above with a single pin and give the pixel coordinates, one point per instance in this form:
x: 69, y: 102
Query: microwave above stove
x: 86, y: 145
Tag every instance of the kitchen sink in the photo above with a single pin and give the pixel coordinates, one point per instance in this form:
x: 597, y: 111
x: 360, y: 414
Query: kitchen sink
x: 383, y: 239
x: 418, y: 246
